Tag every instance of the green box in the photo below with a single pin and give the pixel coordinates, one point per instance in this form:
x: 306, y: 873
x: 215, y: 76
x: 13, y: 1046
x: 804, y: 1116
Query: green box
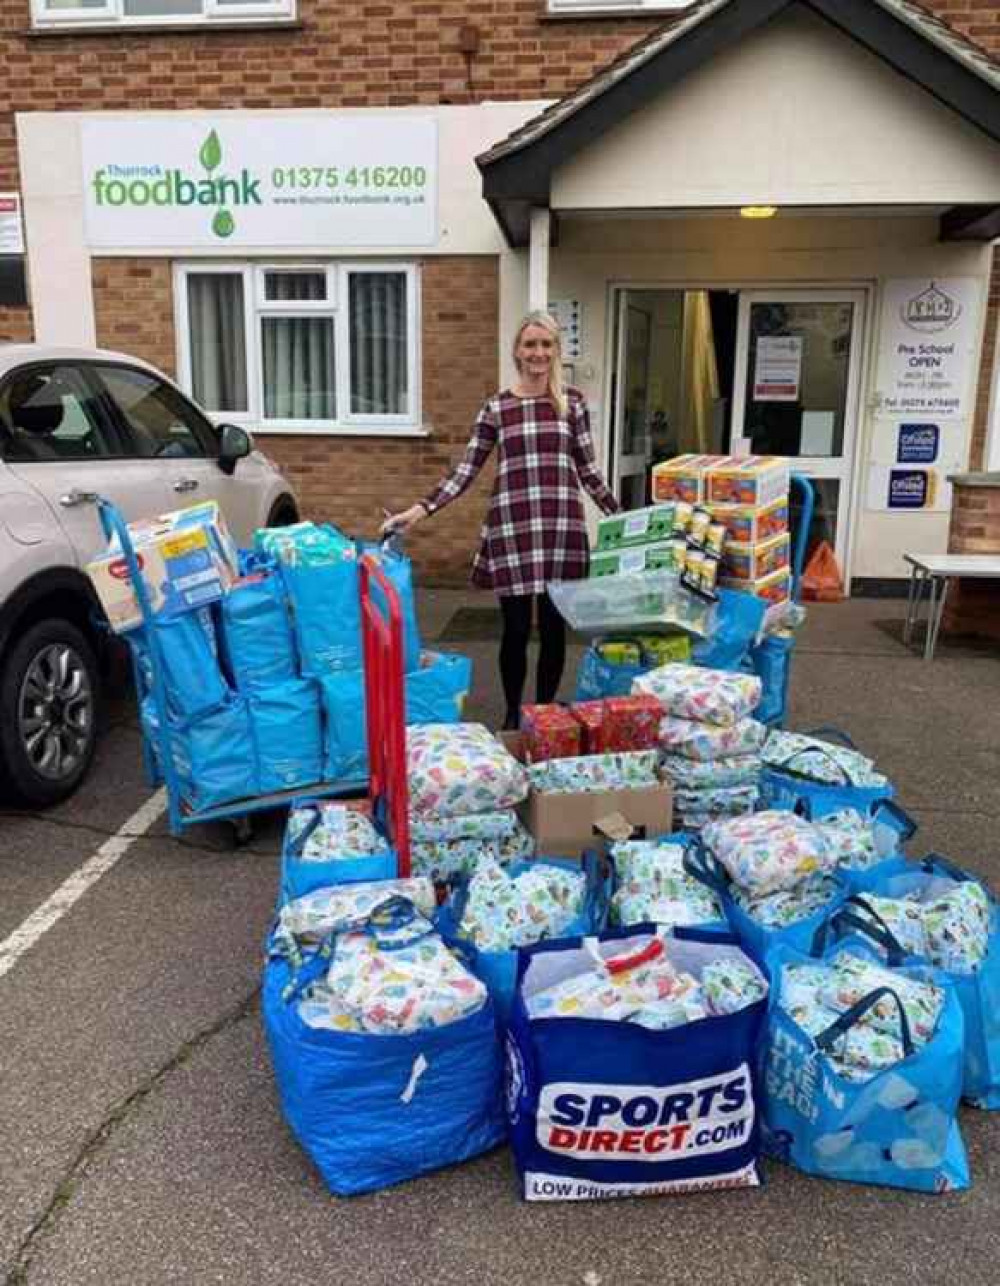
x: 635, y: 528
x: 644, y: 558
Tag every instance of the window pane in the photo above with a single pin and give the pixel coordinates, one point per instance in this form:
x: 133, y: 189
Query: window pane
x: 298, y: 368
x: 379, y: 383
x: 294, y: 285
x: 69, y: 5
x: 48, y: 415
x: 162, y: 8
x: 160, y: 421
x: 218, y: 340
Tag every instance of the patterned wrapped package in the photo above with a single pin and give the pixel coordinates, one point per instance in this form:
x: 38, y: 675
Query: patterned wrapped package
x: 719, y: 697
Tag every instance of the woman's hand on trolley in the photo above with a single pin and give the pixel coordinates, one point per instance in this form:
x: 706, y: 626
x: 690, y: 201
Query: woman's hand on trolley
x: 399, y: 524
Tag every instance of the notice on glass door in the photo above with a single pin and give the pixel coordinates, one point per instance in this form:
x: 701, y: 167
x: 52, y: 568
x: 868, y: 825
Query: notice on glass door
x: 777, y: 374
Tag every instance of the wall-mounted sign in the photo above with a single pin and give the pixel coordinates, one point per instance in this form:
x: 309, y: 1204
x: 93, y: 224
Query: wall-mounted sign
x: 219, y: 181
x: 917, y: 443
x: 11, y: 228
x: 894, y: 490
x: 927, y: 347
x: 567, y: 313
x: 777, y: 368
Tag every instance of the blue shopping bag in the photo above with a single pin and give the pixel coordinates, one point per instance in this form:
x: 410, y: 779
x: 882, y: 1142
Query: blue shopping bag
x: 978, y: 992
x: 738, y: 621
x: 756, y: 939
x: 212, y: 755
x: 893, y: 829
x: 786, y: 789
x: 498, y: 969
x: 256, y: 632
x: 375, y: 1110
x: 326, y: 615
x: 611, y: 1109
x: 287, y: 727
x: 398, y: 571
x: 899, y: 1129
x: 299, y: 877
x: 193, y: 683
x: 771, y: 661
x: 434, y: 693
x: 597, y: 678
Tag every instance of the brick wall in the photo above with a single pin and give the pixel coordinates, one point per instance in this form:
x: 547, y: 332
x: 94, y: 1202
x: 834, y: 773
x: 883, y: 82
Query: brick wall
x: 973, y: 606
x: 977, y: 449
x: 348, y: 480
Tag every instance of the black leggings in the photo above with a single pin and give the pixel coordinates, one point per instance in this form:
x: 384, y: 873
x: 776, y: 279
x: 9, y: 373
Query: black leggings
x: 516, y: 611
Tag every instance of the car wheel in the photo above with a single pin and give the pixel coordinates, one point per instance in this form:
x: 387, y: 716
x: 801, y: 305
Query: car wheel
x: 49, y: 698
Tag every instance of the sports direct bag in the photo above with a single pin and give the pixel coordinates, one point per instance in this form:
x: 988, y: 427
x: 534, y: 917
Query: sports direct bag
x: 860, y: 1081
x: 611, y: 1107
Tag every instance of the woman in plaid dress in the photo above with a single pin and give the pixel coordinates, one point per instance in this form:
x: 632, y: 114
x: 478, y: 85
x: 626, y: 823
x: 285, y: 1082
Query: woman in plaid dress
x: 535, y: 531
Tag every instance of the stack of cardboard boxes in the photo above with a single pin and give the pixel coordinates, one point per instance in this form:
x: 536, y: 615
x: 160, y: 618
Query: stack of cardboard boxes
x: 749, y: 496
x: 638, y: 541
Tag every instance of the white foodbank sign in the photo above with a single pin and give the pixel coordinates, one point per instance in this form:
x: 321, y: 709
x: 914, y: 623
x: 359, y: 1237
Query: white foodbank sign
x: 218, y: 180
x: 927, y: 347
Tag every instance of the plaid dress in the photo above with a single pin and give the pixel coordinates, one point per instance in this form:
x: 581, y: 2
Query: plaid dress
x: 535, y: 531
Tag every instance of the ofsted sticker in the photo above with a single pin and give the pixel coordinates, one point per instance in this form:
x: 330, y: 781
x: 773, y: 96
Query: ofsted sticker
x: 647, y: 1122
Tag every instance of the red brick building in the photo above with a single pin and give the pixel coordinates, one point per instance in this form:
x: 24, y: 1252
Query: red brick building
x: 412, y: 325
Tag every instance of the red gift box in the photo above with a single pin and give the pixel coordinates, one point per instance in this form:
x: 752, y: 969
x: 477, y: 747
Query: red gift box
x: 590, y: 716
x: 631, y: 723
x: 549, y: 732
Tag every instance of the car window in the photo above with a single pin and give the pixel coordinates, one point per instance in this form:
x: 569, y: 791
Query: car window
x: 160, y: 422
x: 48, y: 413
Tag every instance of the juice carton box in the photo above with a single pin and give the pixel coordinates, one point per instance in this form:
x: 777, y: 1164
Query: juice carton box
x: 776, y: 588
x: 186, y: 558
x: 647, y: 558
x: 637, y: 527
x: 749, y: 525
x: 747, y: 480
x: 682, y: 478
x: 754, y: 562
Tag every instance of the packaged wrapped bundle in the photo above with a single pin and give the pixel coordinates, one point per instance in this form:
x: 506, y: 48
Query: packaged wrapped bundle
x: 718, y: 697
x: 768, y: 851
x: 457, y: 768
x: 703, y: 741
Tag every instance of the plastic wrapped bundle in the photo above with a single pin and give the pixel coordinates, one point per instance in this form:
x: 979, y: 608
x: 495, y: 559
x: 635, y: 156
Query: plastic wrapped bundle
x: 768, y: 851
x: 704, y: 741
x: 957, y: 926
x: 596, y: 772
x: 457, y: 768
x: 850, y: 838
x: 784, y: 907
x: 820, y: 761
x: 504, y: 911
x: 719, y: 801
x: 852, y: 979
x: 711, y: 774
x: 447, y: 859
x: 340, y: 832
x: 654, y: 887
x: 718, y: 697
x: 498, y: 824
x: 340, y: 907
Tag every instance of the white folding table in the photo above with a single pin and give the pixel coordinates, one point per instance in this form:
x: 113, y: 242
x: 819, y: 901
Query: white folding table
x: 937, y: 571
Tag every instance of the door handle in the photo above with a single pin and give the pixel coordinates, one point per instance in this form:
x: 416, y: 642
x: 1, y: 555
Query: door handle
x: 73, y: 498
x: 186, y: 484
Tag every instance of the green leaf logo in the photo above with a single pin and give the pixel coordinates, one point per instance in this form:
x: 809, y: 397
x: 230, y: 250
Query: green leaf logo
x: 211, y: 151
x: 223, y: 225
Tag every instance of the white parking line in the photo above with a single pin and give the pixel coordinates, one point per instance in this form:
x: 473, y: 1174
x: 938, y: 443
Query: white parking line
x: 70, y: 891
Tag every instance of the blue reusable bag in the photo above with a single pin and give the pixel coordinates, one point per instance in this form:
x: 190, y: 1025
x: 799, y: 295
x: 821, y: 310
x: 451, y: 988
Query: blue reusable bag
x: 288, y: 735
x: 398, y: 571
x: 213, y: 755
x: 738, y: 621
x: 326, y: 615
x: 435, y: 693
x: 785, y: 789
x: 597, y: 678
x: 771, y: 660
x: 610, y: 1109
x: 193, y: 683
x: 899, y: 1129
x: 893, y: 828
x: 978, y: 993
x: 757, y: 940
x: 375, y: 1110
x: 498, y: 969
x: 256, y: 632
x: 299, y: 877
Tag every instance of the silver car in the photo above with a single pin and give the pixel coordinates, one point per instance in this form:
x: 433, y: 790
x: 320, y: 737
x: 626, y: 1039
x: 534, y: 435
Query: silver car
x: 74, y: 425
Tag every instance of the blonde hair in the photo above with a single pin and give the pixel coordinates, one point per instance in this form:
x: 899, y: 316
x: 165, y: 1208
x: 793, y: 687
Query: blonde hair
x: 545, y: 321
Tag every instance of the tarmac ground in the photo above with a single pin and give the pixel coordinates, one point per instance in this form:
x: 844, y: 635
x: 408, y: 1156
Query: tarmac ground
x: 140, y: 1135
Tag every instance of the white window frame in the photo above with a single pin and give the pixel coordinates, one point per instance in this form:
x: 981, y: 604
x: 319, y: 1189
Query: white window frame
x: 336, y: 305
x: 112, y: 12
x: 604, y: 8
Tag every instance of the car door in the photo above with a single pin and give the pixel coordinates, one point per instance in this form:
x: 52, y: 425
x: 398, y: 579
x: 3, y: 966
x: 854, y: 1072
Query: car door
x: 59, y: 439
x: 162, y: 425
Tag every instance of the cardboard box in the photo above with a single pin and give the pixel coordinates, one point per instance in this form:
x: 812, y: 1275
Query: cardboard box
x: 637, y: 527
x: 682, y: 478
x: 776, y: 588
x: 187, y: 559
x: 750, y: 524
x: 747, y: 480
x: 566, y: 825
x: 756, y: 562
x: 646, y: 558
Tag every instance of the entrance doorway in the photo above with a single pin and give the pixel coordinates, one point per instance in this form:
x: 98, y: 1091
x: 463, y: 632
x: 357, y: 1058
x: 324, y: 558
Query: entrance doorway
x: 772, y: 372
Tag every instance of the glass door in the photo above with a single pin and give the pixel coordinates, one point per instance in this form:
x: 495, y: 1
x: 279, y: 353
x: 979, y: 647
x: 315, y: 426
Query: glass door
x: 798, y: 364
x: 631, y: 443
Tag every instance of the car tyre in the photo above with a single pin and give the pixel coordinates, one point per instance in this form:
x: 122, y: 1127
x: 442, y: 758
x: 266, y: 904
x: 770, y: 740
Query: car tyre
x: 49, y: 705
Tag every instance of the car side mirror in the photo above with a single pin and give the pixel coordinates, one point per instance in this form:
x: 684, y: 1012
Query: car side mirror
x: 234, y: 444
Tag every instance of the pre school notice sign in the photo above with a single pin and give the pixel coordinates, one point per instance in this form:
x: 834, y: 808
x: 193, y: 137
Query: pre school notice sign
x: 221, y: 180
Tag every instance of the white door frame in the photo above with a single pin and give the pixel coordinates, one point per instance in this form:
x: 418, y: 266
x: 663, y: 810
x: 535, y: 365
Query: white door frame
x: 842, y: 467
x: 633, y: 464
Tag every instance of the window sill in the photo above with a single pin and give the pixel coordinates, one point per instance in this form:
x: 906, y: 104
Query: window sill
x: 83, y: 28
x: 338, y: 430
x: 584, y: 15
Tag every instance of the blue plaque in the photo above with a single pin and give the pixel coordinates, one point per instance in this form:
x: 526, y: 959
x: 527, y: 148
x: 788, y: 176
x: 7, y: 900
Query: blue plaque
x: 908, y: 488
x: 918, y: 443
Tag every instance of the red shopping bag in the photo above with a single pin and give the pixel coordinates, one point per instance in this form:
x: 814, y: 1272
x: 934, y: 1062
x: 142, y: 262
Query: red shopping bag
x: 821, y: 580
